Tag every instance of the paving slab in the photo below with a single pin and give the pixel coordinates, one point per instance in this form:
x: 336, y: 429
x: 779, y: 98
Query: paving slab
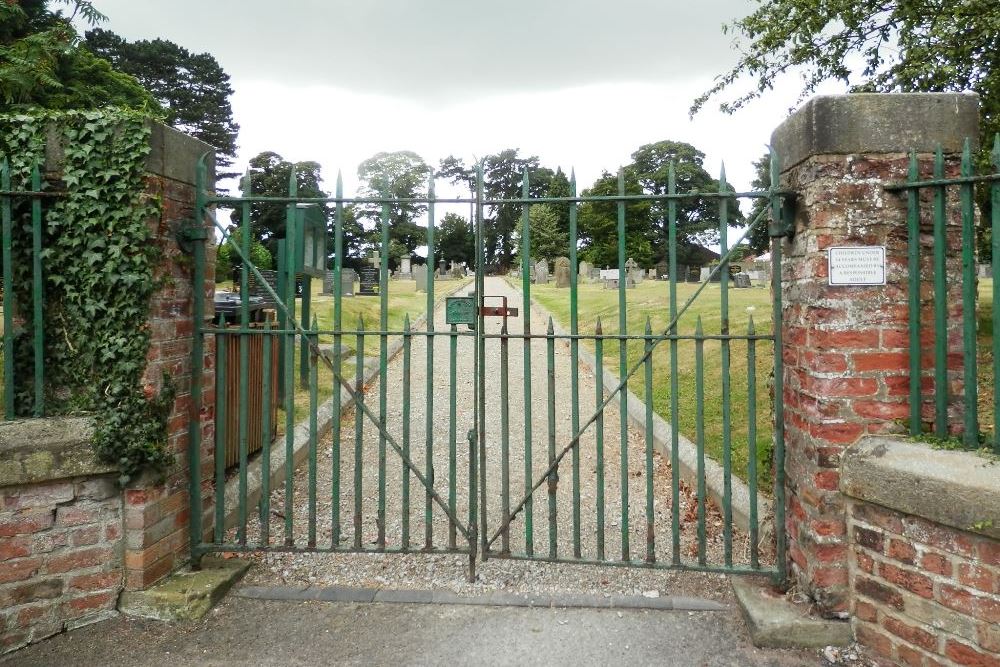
x: 185, y: 595
x: 774, y: 622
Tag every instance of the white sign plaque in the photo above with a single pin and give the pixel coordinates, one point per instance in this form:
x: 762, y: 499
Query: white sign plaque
x: 857, y: 265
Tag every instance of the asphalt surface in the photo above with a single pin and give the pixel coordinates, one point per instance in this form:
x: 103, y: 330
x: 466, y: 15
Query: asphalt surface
x: 244, y: 631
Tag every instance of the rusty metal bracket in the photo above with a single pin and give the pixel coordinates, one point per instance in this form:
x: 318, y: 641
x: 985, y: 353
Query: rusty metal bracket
x: 497, y: 311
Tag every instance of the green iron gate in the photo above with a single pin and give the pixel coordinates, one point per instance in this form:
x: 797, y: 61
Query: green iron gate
x: 466, y: 443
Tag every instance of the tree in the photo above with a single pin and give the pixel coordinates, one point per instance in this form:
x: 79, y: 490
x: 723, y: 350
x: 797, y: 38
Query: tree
x: 598, y: 222
x: 916, y: 45
x: 454, y: 240
x: 502, y: 179
x: 760, y: 238
x: 396, y: 175
x: 192, y: 88
x: 269, y: 176
x: 547, y: 239
x: 43, y: 65
x: 228, y: 261
x: 697, y: 218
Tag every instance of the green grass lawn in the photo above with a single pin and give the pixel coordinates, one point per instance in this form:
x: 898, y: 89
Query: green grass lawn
x: 651, y: 299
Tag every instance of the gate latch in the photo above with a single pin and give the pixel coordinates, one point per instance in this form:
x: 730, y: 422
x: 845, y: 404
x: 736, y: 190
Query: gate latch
x: 497, y: 311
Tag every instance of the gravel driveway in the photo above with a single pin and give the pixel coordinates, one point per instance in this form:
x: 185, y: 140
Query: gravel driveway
x: 417, y: 570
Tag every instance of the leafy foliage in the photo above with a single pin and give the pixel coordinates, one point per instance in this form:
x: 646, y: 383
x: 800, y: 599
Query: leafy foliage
x: 454, y: 240
x: 598, y: 223
x: 228, y: 261
x: 98, y: 280
x: 399, y: 175
x: 547, y: 239
x: 43, y: 65
x: 193, y: 88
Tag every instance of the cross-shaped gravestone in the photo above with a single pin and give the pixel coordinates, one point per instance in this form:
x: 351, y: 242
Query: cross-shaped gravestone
x: 631, y: 264
x: 376, y: 259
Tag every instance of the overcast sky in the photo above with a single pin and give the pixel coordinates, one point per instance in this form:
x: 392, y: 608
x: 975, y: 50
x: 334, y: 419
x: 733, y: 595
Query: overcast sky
x: 579, y: 83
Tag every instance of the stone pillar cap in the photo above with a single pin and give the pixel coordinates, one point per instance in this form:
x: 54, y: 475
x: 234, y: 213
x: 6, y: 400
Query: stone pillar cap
x: 878, y: 123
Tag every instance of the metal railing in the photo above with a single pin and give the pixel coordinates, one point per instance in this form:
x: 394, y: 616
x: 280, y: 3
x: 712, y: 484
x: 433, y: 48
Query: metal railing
x: 944, y: 318
x: 21, y: 203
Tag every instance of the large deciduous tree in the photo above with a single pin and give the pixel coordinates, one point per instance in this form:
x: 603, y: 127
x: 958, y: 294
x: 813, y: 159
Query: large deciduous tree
x: 396, y: 175
x: 454, y: 240
x: 43, y: 65
x: 193, y: 88
x: 888, y: 46
x: 598, y: 222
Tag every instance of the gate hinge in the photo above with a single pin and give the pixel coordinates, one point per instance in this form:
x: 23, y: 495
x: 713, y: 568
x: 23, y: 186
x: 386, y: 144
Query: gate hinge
x: 186, y: 232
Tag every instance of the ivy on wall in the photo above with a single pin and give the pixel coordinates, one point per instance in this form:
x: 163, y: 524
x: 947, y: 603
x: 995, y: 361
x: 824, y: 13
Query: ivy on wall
x: 98, y: 267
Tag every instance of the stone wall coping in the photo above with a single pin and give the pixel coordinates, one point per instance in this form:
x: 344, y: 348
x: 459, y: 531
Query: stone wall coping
x: 960, y: 489
x: 47, y: 448
x: 877, y: 123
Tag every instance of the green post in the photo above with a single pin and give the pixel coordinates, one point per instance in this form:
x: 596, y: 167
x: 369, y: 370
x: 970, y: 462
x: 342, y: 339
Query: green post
x: 727, y: 454
x: 529, y: 541
x: 777, y: 232
x: 574, y: 360
x: 38, y: 294
x: 940, y: 305
x: 970, y: 435
x: 913, y: 268
x: 995, y: 241
x: 623, y: 366
x: 244, y: 342
x: 289, y: 366
x: 675, y: 465
x: 383, y: 295
x: 338, y: 272
x: 599, y: 431
x: 8, y: 296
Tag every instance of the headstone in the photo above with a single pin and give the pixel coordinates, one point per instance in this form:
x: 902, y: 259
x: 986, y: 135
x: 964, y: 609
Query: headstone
x: 369, y: 279
x: 741, y: 280
x: 562, y: 271
x: 703, y: 274
x: 405, y: 271
x: 609, y: 277
x: 328, y: 278
x: 258, y: 290
x: 633, y: 272
x: 542, y: 272
x: 457, y: 270
x: 442, y: 269
x: 693, y: 274
x: 651, y: 274
x: 420, y: 275
x: 595, y: 273
x: 347, y: 278
x: 584, y: 269
x: 682, y: 273
x: 984, y: 270
x: 376, y: 259
x: 662, y: 270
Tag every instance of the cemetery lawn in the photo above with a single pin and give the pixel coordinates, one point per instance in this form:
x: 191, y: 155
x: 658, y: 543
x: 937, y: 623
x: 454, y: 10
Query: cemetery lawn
x: 651, y: 298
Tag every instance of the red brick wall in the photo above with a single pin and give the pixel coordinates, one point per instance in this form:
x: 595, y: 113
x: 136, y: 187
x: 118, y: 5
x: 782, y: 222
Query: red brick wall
x: 846, y: 348
x: 157, y: 514
x: 60, y: 556
x: 923, y: 594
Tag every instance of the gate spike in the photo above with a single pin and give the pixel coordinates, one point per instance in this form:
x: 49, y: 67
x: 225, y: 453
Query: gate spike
x: 551, y: 329
x: 598, y: 331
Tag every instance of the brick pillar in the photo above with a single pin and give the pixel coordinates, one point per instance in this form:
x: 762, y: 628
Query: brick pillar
x: 846, y: 348
x: 157, y: 511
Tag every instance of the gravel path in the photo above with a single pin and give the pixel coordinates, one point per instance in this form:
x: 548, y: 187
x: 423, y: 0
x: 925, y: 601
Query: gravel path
x: 417, y: 570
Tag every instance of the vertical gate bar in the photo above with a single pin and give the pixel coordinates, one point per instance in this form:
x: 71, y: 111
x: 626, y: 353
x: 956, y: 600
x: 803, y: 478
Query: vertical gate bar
x: 777, y: 233
x: 221, y: 400
x: 281, y: 290
x: 8, y: 298
x: 675, y: 479
x: 480, y: 366
x: 913, y: 268
x: 407, y: 338
x: 699, y: 389
x: 940, y: 305
x: 37, y: 291
x: 383, y: 297
x: 727, y: 443
x: 359, y: 427
x: 599, y: 431
x: 623, y: 366
x: 752, y: 440
x: 971, y: 431
x: 197, y: 349
x: 648, y: 367
x: 504, y: 440
x: 265, y: 429
x: 452, y: 447
x: 553, y: 481
x: 244, y: 340
x: 429, y: 396
x: 995, y: 240
x: 313, y: 426
x: 305, y: 317
x: 529, y: 541
x: 338, y: 274
x: 289, y: 369
x: 574, y: 360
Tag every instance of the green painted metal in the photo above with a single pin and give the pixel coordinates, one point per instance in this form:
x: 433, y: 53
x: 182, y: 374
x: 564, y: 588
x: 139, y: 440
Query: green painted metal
x: 752, y: 442
x: 913, y: 269
x: 267, y: 382
x: 477, y: 532
x: 623, y: 368
x: 778, y: 232
x: 244, y: 341
x: 8, y: 295
x: 338, y: 341
x: 995, y: 243
x: 526, y: 270
x: 220, y: 431
x: 574, y: 360
x: 37, y: 293
x: 675, y: 465
x: 970, y: 434
x: 727, y: 447
x: 196, y: 535
x: 940, y: 305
